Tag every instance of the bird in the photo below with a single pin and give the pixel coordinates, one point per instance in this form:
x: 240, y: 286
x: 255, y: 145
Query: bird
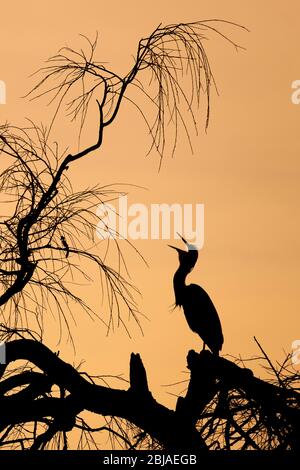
x: 199, y: 310
x: 65, y: 245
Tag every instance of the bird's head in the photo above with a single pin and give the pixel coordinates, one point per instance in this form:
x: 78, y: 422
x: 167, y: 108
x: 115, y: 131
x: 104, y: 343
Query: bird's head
x: 188, y: 258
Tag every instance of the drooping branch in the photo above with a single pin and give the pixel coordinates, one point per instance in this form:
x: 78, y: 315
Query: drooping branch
x: 168, y: 54
x: 45, y: 216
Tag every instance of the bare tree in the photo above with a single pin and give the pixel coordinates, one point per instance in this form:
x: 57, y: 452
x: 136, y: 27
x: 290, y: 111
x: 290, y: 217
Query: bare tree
x: 49, y: 228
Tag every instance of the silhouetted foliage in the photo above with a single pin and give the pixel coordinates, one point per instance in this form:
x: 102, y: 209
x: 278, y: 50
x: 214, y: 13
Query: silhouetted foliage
x: 48, y: 229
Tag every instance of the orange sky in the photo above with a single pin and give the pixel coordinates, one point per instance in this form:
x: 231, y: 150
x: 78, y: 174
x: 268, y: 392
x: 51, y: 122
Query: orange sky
x: 245, y: 170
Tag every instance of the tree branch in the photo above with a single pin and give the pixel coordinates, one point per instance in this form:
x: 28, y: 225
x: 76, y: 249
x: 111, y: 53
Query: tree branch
x: 210, y: 376
x: 142, y: 410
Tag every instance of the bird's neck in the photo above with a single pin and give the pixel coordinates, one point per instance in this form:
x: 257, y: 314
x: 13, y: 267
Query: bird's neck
x: 179, y: 284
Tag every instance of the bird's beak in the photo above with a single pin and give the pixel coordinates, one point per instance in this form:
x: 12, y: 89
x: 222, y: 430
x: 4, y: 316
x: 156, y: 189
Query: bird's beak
x: 183, y: 239
x: 174, y: 247
x: 177, y: 249
x: 190, y: 247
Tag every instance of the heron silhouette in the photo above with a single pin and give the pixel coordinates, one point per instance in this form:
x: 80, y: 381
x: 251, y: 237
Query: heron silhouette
x: 199, y: 310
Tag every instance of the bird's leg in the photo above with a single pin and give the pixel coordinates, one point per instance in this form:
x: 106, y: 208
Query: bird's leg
x: 203, y: 346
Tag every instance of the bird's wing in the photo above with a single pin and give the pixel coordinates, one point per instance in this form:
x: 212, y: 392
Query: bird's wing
x: 202, y: 315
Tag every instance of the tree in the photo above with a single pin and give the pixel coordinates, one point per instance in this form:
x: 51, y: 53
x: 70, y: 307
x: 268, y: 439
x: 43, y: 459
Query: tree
x: 43, y: 399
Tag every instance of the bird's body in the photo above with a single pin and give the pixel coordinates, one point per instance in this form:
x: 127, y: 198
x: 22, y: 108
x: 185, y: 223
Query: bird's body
x: 199, y: 310
x: 205, y: 321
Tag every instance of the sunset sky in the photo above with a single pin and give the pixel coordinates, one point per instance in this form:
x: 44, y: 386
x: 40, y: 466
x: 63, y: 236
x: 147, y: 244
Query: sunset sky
x: 245, y: 170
